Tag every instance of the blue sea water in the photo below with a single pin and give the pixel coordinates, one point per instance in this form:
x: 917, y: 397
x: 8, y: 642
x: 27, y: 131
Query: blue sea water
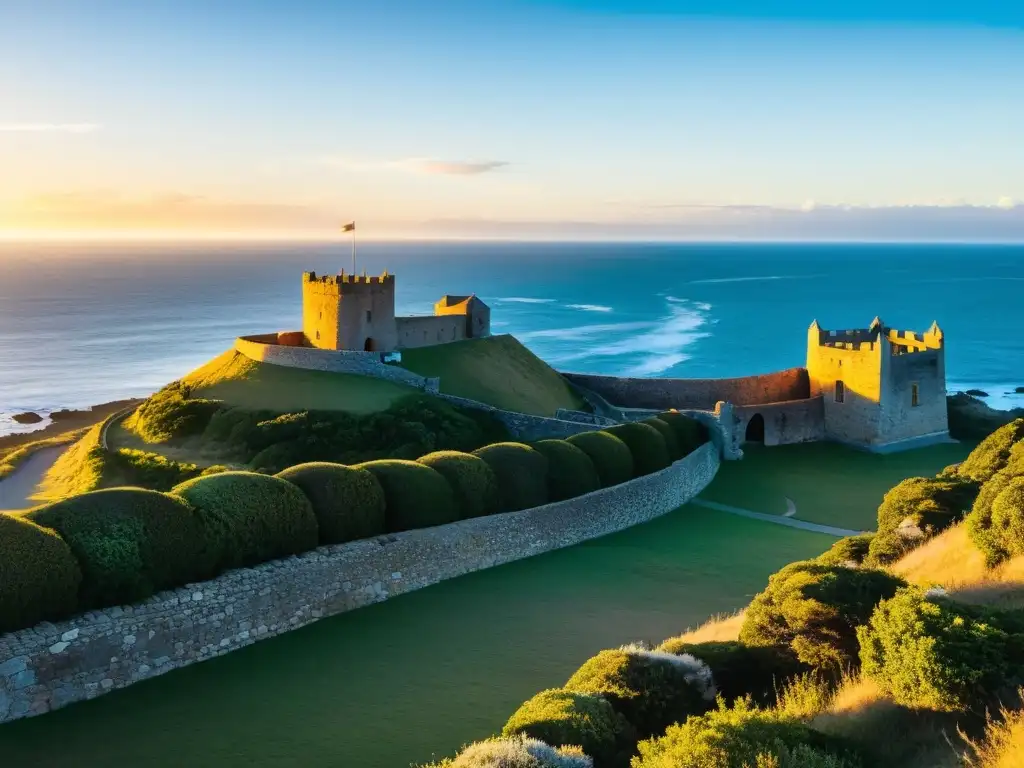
x: 83, y: 324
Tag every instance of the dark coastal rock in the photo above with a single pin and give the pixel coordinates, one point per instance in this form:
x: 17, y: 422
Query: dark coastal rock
x: 976, y: 393
x: 28, y: 418
x: 65, y: 414
x: 1019, y: 391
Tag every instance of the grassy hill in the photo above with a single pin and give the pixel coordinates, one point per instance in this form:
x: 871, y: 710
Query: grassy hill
x: 237, y: 380
x: 498, y: 371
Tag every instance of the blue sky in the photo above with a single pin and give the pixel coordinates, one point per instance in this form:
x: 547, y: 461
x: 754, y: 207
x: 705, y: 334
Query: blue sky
x: 599, y: 118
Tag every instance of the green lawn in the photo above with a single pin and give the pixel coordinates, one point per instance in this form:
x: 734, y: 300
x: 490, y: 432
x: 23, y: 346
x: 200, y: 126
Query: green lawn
x: 829, y: 483
x: 498, y: 371
x: 391, y: 684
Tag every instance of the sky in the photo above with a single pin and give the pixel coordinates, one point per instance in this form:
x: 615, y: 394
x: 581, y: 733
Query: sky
x: 883, y: 119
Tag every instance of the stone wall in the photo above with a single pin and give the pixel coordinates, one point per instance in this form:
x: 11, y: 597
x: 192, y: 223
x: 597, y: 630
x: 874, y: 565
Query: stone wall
x: 902, y: 418
x: 584, y: 417
x: 796, y: 421
x: 524, y: 426
x: 696, y: 394
x: 52, y: 665
x: 430, y: 330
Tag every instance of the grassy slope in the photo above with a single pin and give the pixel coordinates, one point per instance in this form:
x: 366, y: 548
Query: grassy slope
x: 829, y: 483
x: 11, y: 458
x: 498, y: 371
x: 237, y: 380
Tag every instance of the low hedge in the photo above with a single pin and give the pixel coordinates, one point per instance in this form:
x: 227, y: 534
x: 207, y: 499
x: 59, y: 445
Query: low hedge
x: 690, y: 433
x: 815, y: 609
x: 740, y: 670
x: 675, y: 450
x: 571, y: 473
x: 129, y: 542
x: 39, y: 576
x: 612, y: 457
x: 522, y: 474
x: 651, y: 690
x: 933, y: 653
x: 564, y: 719
x: 251, y: 518
x: 348, y: 502
x: 415, y: 496
x: 471, y: 479
x: 645, y: 443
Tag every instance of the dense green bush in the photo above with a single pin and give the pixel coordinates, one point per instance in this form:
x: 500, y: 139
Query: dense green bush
x: 151, y: 470
x: 250, y: 518
x: 516, y: 752
x: 348, y: 502
x: 997, y: 536
x: 39, y: 576
x: 563, y: 719
x: 522, y: 474
x: 852, y: 550
x: 129, y: 542
x: 928, y: 505
x: 571, y: 473
x: 740, y: 670
x: 675, y: 450
x: 744, y: 737
x: 645, y: 443
x: 415, y: 496
x: 815, y: 609
x: 993, y: 453
x: 932, y: 653
x: 172, y: 412
x: 650, y: 689
x: 471, y: 479
x: 612, y: 458
x: 690, y: 433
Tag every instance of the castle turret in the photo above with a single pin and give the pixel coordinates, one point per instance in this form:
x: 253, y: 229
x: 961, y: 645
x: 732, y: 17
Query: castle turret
x: 353, y: 312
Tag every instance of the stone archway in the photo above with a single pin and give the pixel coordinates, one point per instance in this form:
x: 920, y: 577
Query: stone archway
x: 369, y: 345
x: 755, y: 429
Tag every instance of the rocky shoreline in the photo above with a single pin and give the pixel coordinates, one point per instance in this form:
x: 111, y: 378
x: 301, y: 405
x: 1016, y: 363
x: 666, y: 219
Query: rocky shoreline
x: 62, y: 421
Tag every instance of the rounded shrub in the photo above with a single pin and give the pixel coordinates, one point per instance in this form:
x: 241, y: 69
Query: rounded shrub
x: 571, y: 473
x: 849, y: 551
x: 740, y: 670
x: 993, y: 453
x: 611, y: 457
x: 522, y: 474
x: 39, y: 576
x: 690, y: 433
x: 815, y: 609
x: 517, y: 752
x: 979, y: 521
x: 129, y: 542
x: 415, y: 496
x: 932, y: 653
x: 675, y: 450
x: 650, y: 689
x: 251, y: 518
x: 744, y: 737
x: 564, y: 719
x: 348, y: 502
x: 472, y: 481
x: 645, y: 443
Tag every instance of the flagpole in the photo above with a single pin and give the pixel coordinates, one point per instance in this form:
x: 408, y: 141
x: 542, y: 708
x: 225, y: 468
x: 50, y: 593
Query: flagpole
x: 353, y: 250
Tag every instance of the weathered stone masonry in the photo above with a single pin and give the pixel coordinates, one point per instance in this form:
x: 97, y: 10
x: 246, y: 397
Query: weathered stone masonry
x: 52, y: 665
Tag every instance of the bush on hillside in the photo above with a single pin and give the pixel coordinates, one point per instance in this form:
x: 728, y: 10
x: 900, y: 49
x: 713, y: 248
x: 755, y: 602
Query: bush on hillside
x: 39, y: 576
x: 471, y: 479
x: 740, y: 670
x: 998, y: 539
x: 690, y: 433
x: 651, y: 689
x: 612, y: 458
x: 645, y: 443
x: 993, y: 453
x: 815, y: 609
x: 849, y: 551
x: 744, y: 737
x: 348, y: 502
x: 565, y: 719
x: 675, y: 450
x: 917, y: 509
x: 932, y: 653
x: 170, y: 413
x: 415, y: 496
x: 522, y: 475
x: 129, y: 542
x: 571, y: 473
x: 251, y: 518
x: 152, y: 470
x: 516, y: 752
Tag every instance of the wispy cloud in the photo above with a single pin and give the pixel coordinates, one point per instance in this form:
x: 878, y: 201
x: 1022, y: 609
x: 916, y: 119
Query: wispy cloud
x: 49, y: 127
x: 423, y: 165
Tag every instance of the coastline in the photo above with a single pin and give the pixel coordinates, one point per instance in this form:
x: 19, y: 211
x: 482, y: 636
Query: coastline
x: 72, y: 420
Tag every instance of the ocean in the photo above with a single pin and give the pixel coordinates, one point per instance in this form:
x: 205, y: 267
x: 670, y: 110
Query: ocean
x: 82, y: 324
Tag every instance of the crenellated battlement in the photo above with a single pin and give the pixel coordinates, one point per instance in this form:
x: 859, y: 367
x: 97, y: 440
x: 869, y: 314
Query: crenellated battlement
x: 344, y: 281
x: 865, y: 339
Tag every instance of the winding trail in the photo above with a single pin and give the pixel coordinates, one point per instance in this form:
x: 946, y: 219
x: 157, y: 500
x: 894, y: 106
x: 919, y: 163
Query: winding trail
x: 786, y: 520
x: 17, y: 488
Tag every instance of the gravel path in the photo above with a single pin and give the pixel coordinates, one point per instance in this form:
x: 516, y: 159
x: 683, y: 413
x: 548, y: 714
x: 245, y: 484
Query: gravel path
x: 803, y: 525
x: 17, y: 487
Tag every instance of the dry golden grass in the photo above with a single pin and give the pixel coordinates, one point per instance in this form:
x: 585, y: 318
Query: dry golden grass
x: 717, y: 629
x: 1003, y: 745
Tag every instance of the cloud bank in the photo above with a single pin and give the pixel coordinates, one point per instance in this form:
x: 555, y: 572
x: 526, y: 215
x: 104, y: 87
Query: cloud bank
x: 420, y: 165
x: 49, y: 127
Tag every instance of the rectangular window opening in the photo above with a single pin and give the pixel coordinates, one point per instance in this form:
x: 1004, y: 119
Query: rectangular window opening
x: 840, y: 392
x: 915, y: 395
x: 369, y: 316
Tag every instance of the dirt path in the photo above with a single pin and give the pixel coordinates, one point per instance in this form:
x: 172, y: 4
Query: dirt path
x: 17, y: 487
x: 778, y: 520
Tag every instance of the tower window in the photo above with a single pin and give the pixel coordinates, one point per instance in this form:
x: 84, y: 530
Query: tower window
x: 915, y: 395
x: 318, y: 335
x: 840, y: 392
x: 369, y: 316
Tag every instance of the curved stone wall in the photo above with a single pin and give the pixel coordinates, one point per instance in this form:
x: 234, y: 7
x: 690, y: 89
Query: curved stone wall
x: 52, y: 665
x: 697, y: 394
x: 796, y: 421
